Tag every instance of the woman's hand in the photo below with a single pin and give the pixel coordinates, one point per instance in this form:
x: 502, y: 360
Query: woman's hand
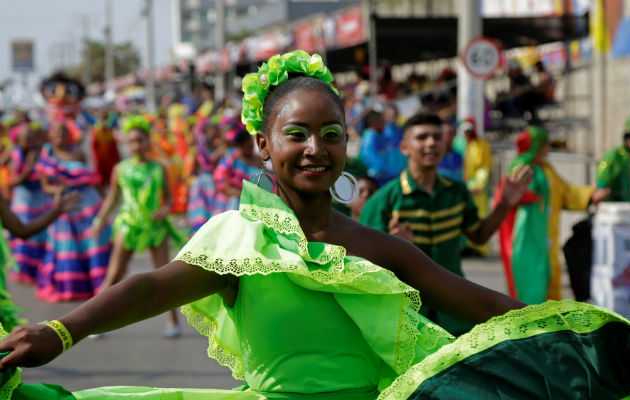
x: 67, y: 202
x: 516, y: 185
x: 30, y: 346
x: 58, y: 190
x: 599, y: 195
x: 161, y: 213
x: 95, y: 229
x: 402, y: 230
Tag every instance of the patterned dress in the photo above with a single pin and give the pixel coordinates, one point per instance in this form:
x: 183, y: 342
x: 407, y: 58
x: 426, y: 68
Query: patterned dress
x: 28, y: 203
x: 201, y: 198
x: 74, y: 263
x: 234, y: 170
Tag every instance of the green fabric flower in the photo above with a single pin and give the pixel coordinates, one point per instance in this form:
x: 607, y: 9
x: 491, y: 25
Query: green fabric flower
x: 272, y: 73
x: 136, y: 122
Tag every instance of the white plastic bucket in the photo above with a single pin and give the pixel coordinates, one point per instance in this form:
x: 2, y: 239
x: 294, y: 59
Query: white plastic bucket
x: 610, y: 277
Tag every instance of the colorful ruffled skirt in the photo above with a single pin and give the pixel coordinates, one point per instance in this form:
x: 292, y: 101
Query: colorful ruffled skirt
x: 556, y: 350
x: 29, y: 202
x: 74, y: 263
x: 201, y: 200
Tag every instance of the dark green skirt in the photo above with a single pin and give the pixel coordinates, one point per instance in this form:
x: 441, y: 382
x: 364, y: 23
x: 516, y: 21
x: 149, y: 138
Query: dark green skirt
x: 556, y: 350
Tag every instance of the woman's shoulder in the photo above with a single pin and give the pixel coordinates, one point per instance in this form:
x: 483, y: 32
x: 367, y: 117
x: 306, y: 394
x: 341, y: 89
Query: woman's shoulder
x: 362, y: 241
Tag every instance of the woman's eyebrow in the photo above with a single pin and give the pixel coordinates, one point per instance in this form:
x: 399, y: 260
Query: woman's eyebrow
x: 303, y: 124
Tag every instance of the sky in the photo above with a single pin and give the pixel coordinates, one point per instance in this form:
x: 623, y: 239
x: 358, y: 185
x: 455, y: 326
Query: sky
x: 51, y: 23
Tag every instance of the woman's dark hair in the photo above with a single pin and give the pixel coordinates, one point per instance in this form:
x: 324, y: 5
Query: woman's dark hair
x: 422, y: 118
x: 295, y: 82
x: 242, y: 137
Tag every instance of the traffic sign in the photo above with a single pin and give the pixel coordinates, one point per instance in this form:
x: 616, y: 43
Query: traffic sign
x: 481, y: 57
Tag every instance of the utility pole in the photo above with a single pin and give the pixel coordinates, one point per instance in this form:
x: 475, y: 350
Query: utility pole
x: 87, y: 63
x: 372, y: 56
x: 150, y: 83
x: 109, y: 50
x: 219, y: 80
x: 469, y: 89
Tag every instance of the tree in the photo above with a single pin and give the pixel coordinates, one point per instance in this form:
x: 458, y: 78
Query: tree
x: 126, y: 60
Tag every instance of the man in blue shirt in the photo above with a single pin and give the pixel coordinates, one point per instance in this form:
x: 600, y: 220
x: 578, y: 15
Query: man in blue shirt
x: 452, y: 164
x: 379, y: 153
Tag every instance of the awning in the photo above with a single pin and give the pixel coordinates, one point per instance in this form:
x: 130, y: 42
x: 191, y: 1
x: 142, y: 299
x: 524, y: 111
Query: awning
x: 404, y: 40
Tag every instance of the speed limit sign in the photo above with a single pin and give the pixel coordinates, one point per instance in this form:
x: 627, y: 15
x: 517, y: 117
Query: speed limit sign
x: 481, y: 56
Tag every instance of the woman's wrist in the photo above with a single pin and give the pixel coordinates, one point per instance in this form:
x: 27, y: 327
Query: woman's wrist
x: 62, y: 332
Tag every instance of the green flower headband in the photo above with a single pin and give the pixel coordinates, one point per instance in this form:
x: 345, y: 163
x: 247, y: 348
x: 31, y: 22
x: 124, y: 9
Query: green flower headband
x: 274, y: 72
x: 136, y: 122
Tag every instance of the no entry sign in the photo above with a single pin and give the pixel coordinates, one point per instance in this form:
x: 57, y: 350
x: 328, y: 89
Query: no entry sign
x: 481, y: 56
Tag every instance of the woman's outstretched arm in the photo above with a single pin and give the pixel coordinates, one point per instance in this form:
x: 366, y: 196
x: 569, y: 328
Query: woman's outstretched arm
x: 439, y: 288
x: 134, y: 299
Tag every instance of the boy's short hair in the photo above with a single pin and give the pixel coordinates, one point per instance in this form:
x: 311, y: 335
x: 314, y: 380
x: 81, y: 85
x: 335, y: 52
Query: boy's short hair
x: 372, y: 117
x: 422, y: 118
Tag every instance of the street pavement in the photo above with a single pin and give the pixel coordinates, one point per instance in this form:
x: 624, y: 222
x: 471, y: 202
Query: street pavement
x: 139, y: 355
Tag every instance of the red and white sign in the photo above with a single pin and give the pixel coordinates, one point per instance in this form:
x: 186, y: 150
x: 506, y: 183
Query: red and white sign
x: 304, y: 36
x: 350, y: 28
x: 481, y: 57
x: 266, y: 46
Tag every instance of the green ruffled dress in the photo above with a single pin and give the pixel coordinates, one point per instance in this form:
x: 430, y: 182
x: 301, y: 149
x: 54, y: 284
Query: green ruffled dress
x: 141, y: 185
x: 8, y: 311
x: 311, y: 323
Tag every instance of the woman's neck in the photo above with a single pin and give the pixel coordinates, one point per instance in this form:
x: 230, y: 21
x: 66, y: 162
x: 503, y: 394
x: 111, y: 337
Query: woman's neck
x: 313, y: 212
x: 142, y: 158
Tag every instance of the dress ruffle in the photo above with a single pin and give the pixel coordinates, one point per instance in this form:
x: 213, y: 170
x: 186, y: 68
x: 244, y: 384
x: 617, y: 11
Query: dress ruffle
x: 422, y: 380
x: 265, y: 237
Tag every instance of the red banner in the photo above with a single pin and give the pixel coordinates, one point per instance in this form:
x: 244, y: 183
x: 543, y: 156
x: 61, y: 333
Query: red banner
x: 304, y: 37
x: 265, y: 46
x: 350, y: 28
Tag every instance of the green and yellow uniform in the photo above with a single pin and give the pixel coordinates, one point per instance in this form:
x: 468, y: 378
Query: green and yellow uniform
x: 437, y: 220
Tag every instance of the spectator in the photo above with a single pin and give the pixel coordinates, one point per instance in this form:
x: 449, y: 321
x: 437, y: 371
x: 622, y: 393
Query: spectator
x: 432, y: 211
x: 367, y: 187
x: 393, y: 124
x: 529, y: 236
x: 613, y: 171
x: 378, y: 152
x: 477, y: 169
x: 452, y: 163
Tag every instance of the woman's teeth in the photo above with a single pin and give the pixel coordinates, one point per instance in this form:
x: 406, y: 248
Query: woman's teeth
x: 314, y: 169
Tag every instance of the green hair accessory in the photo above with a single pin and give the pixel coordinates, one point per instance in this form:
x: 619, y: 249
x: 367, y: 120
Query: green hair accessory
x: 136, y: 122
x: 272, y: 73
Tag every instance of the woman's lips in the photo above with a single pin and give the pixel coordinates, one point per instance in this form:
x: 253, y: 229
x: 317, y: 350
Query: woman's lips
x: 314, y: 170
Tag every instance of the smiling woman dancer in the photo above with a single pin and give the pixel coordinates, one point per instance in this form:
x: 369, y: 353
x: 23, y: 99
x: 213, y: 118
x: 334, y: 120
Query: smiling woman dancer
x: 304, y: 303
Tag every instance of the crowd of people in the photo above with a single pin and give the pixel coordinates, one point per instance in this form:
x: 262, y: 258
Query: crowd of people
x: 298, y: 300
x: 191, y: 158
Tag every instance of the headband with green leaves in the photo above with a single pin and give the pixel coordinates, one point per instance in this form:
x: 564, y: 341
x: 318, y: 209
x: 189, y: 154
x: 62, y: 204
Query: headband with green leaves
x: 272, y: 73
x: 136, y: 122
